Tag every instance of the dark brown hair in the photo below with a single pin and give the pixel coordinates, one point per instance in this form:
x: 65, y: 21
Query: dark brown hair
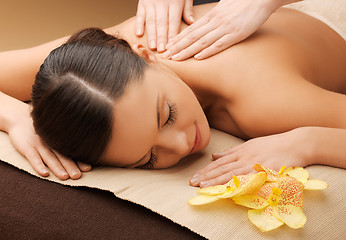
x: 75, y: 90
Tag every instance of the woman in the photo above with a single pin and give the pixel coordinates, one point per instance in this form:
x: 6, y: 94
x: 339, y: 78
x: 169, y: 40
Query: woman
x: 285, y: 81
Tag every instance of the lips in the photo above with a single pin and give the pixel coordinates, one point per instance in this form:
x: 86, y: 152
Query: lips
x: 197, y: 140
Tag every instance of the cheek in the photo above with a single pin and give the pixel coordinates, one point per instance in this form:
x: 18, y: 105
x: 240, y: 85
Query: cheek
x: 166, y: 161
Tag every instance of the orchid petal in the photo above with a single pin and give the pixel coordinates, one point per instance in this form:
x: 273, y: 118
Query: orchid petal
x: 202, y: 199
x: 315, y: 184
x: 264, y: 219
x: 292, y: 193
x: 299, y: 173
x: 272, y: 175
x: 291, y: 215
x: 213, y: 190
x: 251, y: 201
x: 255, y: 181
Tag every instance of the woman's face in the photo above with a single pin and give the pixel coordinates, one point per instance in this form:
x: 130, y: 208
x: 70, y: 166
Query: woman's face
x: 157, y: 122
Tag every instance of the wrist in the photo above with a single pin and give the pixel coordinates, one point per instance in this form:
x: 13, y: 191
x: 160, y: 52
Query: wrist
x: 307, y: 142
x: 12, y: 111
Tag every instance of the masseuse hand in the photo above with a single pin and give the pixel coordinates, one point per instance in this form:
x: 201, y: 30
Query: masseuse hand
x: 272, y: 151
x: 162, y: 20
x: 25, y: 140
x: 226, y: 24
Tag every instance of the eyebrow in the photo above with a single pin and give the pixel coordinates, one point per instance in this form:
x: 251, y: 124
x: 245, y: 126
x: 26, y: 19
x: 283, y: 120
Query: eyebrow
x: 158, y: 126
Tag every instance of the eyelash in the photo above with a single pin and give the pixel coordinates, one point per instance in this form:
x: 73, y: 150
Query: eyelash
x: 152, y: 161
x: 172, y: 115
x: 170, y: 121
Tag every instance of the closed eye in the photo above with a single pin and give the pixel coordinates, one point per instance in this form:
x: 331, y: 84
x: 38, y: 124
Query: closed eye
x: 172, y: 115
x: 170, y: 121
x: 151, y: 163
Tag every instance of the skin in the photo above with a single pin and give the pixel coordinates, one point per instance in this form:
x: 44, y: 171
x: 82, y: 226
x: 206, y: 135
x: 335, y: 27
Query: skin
x: 226, y: 24
x: 138, y: 131
x: 266, y: 85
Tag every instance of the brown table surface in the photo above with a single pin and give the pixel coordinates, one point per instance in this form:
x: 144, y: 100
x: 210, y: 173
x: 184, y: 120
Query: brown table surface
x: 32, y: 208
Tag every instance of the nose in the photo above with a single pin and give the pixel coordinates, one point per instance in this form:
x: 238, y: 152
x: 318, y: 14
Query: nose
x: 173, y: 141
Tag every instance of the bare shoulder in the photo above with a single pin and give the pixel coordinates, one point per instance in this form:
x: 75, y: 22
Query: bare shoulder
x: 202, y: 9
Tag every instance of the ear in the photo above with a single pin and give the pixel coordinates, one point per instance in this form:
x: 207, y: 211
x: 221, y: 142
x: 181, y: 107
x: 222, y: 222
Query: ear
x: 144, y: 52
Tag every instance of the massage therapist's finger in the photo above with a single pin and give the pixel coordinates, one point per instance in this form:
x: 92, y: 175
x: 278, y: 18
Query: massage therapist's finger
x: 161, y: 26
x: 188, y: 13
x: 140, y: 20
x: 187, y: 37
x: 208, y: 45
x: 218, y: 46
x: 174, y: 20
x: 70, y: 166
x: 150, y: 22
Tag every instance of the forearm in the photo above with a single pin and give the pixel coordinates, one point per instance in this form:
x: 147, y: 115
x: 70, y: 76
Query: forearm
x: 326, y: 146
x: 19, y: 67
x: 11, y: 111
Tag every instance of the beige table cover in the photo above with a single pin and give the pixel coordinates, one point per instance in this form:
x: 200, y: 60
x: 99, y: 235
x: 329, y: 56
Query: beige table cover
x: 167, y: 191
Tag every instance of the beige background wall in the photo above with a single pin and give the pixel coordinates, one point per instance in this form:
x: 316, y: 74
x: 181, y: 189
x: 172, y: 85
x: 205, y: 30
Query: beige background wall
x: 26, y: 23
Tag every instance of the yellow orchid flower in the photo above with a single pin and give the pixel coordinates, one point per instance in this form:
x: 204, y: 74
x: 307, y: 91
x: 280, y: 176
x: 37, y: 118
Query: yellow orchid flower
x: 275, y: 198
x: 241, y: 185
x: 276, y: 203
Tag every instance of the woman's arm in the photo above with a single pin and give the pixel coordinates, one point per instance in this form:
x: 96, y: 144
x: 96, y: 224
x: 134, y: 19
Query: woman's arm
x: 17, y: 74
x: 297, y: 148
x: 317, y: 117
x: 19, y: 67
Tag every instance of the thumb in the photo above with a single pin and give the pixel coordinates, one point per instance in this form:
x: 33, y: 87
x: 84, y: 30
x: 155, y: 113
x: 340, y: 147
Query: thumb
x: 188, y: 14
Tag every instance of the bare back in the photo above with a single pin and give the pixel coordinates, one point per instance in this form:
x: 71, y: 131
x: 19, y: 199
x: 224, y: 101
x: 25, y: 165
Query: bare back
x: 274, y: 81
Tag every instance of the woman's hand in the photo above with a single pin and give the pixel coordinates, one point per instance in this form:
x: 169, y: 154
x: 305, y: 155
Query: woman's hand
x: 25, y: 140
x: 274, y: 151
x: 162, y: 19
x: 226, y: 24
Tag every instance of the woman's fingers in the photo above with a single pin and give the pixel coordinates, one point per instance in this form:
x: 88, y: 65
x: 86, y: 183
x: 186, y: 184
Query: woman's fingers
x: 84, y: 167
x: 228, y: 151
x: 51, y: 160
x: 70, y: 166
x: 224, y: 178
x: 36, y: 162
x: 214, y: 169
